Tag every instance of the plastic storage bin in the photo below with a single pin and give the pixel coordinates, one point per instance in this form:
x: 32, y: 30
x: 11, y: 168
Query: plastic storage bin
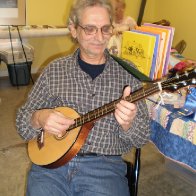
x: 19, y: 74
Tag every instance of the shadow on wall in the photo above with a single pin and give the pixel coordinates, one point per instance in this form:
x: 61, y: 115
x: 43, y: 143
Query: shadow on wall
x: 54, y: 56
x: 48, y: 49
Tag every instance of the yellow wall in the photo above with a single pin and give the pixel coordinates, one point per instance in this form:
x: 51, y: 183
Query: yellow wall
x: 48, y: 12
x: 132, y: 8
x: 181, y: 15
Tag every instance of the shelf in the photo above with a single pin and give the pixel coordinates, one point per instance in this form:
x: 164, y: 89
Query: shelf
x: 29, y: 32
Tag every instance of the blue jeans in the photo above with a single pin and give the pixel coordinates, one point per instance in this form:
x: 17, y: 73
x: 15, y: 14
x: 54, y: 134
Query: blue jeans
x: 82, y: 176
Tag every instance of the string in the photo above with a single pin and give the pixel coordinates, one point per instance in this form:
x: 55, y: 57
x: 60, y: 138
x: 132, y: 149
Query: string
x: 160, y: 98
x: 135, y: 96
x: 110, y: 107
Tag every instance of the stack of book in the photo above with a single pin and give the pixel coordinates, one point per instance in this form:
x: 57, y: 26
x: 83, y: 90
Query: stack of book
x: 148, y: 47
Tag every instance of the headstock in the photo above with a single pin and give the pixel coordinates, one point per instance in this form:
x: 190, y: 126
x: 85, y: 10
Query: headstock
x: 180, y: 80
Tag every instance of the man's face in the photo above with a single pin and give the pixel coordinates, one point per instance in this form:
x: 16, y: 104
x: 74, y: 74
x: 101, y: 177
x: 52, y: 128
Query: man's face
x: 92, y: 45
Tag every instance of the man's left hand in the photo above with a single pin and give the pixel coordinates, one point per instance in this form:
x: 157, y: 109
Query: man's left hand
x: 125, y: 111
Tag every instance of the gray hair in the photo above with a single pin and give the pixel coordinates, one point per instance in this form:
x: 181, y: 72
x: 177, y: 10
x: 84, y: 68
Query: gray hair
x: 80, y: 5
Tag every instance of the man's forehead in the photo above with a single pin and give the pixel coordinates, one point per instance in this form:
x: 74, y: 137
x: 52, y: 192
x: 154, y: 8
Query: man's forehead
x: 95, y: 14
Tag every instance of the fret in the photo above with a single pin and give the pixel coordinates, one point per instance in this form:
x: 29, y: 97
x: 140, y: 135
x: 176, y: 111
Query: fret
x: 98, y: 112
x: 88, y: 116
x: 84, y: 119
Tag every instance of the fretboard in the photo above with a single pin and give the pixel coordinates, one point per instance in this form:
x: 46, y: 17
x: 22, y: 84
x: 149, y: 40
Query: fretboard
x: 110, y: 107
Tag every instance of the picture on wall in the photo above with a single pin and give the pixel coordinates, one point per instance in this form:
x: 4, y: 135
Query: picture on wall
x: 12, y: 12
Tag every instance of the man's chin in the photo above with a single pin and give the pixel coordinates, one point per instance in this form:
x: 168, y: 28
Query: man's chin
x: 96, y: 51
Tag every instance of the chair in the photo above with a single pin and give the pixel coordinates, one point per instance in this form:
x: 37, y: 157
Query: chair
x: 133, y: 173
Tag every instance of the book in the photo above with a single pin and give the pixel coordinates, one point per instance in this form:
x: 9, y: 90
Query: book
x: 155, y: 54
x: 163, y: 49
x: 161, y: 45
x: 138, y: 48
x: 168, y: 44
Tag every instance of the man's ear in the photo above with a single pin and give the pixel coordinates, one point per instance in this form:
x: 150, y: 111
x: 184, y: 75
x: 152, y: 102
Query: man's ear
x: 72, y: 29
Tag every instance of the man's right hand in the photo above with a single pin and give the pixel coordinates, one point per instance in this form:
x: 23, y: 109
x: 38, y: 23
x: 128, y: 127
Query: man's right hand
x: 51, y: 121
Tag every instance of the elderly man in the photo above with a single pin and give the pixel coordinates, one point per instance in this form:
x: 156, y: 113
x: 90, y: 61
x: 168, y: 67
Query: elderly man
x: 84, y: 81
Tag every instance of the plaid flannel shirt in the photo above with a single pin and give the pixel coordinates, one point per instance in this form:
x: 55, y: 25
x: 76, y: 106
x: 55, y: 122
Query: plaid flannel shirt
x: 63, y: 83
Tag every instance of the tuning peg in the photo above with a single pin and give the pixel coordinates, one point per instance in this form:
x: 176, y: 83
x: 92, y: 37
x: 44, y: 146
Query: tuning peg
x: 179, y: 92
x: 188, y: 89
x: 184, y: 83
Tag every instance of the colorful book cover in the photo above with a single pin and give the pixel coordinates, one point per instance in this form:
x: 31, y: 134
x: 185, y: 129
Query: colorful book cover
x: 162, y: 36
x: 171, y: 36
x: 165, y: 32
x: 155, y: 54
x: 138, y: 48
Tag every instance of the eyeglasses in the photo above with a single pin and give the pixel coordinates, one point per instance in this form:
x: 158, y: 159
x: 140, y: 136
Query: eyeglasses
x: 92, y: 30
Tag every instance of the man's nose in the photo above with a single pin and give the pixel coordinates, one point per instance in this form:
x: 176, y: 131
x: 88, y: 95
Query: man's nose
x: 99, y: 35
